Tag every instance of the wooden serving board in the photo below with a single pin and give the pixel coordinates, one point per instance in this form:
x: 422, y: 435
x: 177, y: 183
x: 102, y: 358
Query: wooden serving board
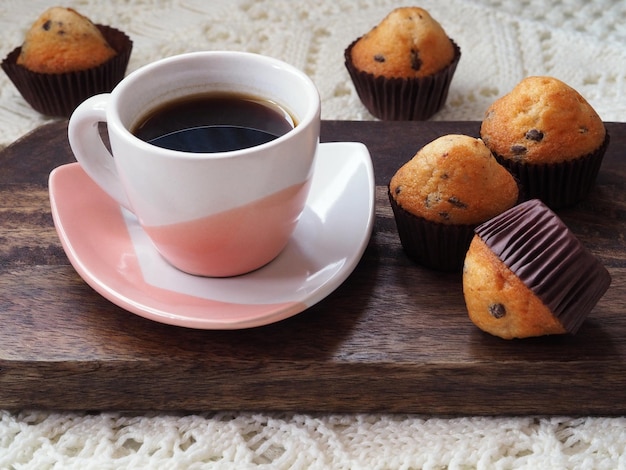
x: 394, y: 337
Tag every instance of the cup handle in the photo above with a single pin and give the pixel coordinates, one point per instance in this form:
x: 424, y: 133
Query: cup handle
x: 89, y: 150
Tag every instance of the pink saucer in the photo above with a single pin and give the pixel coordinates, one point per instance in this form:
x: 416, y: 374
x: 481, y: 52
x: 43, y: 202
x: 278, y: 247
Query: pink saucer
x: 111, y: 252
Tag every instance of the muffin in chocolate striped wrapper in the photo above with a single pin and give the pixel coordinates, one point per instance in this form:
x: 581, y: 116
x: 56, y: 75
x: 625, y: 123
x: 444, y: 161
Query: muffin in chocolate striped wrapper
x: 451, y: 185
x: 403, y: 67
x: 65, y: 59
x: 549, y: 137
x: 526, y: 274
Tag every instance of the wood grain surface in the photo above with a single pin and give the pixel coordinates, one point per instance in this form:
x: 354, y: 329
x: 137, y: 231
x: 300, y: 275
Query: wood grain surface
x: 394, y: 337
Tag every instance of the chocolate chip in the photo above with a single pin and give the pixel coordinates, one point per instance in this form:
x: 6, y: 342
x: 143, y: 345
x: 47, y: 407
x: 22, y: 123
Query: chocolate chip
x: 518, y: 149
x: 444, y: 215
x: 416, y: 62
x: 583, y: 130
x: 46, y: 25
x: 497, y: 310
x: 456, y: 202
x: 444, y: 176
x: 379, y: 58
x: 398, y: 189
x: 535, y: 135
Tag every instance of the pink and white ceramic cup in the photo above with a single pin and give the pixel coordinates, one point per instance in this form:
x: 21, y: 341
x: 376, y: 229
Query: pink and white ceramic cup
x: 210, y: 214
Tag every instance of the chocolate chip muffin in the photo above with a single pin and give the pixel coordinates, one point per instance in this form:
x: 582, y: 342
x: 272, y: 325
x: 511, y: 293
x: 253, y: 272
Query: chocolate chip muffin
x: 63, y: 40
x: 403, y: 67
x: 438, y: 197
x: 64, y: 59
x: 526, y: 274
x: 550, y: 137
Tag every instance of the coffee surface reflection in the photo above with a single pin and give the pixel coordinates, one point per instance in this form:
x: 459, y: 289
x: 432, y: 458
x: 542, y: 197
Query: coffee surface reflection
x: 214, y: 123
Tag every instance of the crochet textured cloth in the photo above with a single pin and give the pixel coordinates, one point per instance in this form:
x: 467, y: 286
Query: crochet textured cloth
x: 580, y: 42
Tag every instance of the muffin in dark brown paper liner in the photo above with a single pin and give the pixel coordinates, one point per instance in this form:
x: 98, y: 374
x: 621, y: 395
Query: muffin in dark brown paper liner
x: 533, y: 242
x: 561, y: 184
x: 58, y: 94
x: 437, y: 246
x: 402, y: 99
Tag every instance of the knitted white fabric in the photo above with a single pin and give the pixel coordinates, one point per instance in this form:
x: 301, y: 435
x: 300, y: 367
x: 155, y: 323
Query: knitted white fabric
x: 42, y: 440
x: 578, y: 41
x: 583, y: 43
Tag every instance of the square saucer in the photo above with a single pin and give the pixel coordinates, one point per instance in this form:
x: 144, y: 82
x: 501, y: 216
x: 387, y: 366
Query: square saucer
x: 112, y: 253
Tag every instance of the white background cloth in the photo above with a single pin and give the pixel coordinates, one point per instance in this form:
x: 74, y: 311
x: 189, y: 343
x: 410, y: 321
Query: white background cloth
x: 580, y: 42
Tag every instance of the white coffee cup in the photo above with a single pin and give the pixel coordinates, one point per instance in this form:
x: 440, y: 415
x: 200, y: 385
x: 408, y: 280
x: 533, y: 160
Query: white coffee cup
x: 210, y: 214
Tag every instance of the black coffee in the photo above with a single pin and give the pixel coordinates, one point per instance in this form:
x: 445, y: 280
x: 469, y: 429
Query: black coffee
x: 214, y: 123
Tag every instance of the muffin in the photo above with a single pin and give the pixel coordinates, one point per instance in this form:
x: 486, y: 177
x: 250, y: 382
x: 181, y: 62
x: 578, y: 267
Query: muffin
x: 526, y: 275
x: 64, y: 59
x: 549, y: 137
x: 403, y: 67
x: 439, y: 196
